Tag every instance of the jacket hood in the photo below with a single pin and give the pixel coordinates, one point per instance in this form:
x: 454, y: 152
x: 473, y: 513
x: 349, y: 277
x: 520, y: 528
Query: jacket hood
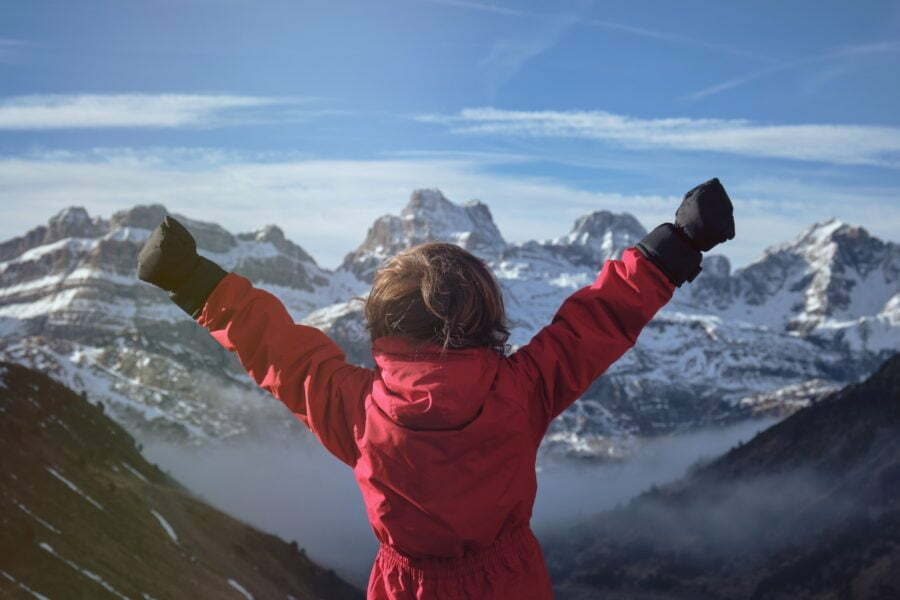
x: 422, y: 387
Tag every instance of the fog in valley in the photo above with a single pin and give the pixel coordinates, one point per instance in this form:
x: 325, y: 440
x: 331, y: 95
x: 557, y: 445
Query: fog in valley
x: 298, y: 491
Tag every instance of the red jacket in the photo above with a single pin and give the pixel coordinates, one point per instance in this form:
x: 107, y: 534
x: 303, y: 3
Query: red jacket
x: 443, y: 447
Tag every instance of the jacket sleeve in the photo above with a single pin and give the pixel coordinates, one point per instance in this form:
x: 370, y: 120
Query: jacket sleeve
x: 298, y: 364
x: 590, y: 331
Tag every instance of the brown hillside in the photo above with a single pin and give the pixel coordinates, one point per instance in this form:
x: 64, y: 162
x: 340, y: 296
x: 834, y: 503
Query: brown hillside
x: 84, y: 515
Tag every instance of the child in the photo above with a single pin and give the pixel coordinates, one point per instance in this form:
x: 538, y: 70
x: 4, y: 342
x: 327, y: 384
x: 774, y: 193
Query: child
x: 442, y: 435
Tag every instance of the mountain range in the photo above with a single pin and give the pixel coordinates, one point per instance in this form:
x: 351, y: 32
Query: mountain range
x: 810, y: 315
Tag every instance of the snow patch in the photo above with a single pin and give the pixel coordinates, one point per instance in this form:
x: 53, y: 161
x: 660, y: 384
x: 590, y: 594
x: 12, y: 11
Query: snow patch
x: 241, y: 589
x: 23, y: 586
x: 28, y: 512
x: 134, y: 472
x: 165, y: 525
x: 73, y: 487
x: 89, y: 574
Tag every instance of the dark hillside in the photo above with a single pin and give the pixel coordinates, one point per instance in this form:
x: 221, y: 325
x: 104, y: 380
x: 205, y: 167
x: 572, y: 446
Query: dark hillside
x: 810, y: 508
x: 83, y: 515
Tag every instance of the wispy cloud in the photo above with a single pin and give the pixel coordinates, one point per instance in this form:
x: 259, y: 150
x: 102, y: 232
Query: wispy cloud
x: 133, y: 110
x: 663, y: 36
x: 840, y: 144
x: 509, y: 55
x: 482, y: 7
x: 675, y: 38
x: 845, y: 52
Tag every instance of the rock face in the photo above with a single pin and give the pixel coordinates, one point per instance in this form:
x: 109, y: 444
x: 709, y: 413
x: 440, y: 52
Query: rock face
x: 810, y: 315
x: 86, y: 516
x: 810, y: 508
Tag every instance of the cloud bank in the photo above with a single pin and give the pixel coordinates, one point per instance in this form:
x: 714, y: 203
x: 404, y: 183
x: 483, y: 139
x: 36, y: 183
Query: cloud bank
x: 295, y: 489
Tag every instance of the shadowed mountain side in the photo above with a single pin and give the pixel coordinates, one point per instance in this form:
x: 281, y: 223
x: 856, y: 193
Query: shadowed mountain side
x: 810, y: 508
x: 85, y: 516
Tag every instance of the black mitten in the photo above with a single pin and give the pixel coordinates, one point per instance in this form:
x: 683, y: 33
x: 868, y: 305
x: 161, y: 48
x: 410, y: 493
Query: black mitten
x: 672, y: 253
x: 169, y: 260
x: 703, y: 220
x: 705, y: 216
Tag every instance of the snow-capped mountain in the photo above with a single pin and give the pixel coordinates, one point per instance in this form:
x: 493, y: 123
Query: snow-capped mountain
x: 72, y: 306
x: 832, y: 278
x: 810, y: 315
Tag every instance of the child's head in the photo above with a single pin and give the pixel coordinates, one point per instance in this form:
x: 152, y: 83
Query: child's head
x: 439, y: 293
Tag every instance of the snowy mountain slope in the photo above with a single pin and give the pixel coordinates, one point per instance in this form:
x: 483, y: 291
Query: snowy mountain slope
x: 71, y: 305
x: 831, y: 275
x: 811, y: 314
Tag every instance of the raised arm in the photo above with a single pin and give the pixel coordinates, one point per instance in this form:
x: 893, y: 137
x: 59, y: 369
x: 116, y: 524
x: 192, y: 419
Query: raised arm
x: 591, y: 330
x: 596, y: 325
x: 298, y: 364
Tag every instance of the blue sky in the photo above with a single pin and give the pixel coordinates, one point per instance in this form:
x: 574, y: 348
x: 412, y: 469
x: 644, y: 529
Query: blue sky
x: 320, y: 116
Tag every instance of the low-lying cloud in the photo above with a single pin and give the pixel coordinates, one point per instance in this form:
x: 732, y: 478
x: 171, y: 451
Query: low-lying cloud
x: 297, y: 491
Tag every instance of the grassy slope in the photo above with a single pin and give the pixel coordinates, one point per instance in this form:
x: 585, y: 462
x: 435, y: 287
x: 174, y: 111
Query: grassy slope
x: 45, y: 425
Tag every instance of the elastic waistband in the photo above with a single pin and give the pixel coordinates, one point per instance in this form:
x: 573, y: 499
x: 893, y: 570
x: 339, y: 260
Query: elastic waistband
x: 517, y: 541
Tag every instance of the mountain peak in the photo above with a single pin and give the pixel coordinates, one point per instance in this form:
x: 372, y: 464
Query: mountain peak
x: 274, y: 235
x: 71, y: 215
x: 143, y: 216
x: 818, y: 239
x: 603, y: 234
x: 431, y: 217
x: 429, y: 199
x: 269, y: 233
x: 841, y: 244
x: 599, y: 222
x: 72, y: 221
x: 823, y: 231
x: 428, y: 217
